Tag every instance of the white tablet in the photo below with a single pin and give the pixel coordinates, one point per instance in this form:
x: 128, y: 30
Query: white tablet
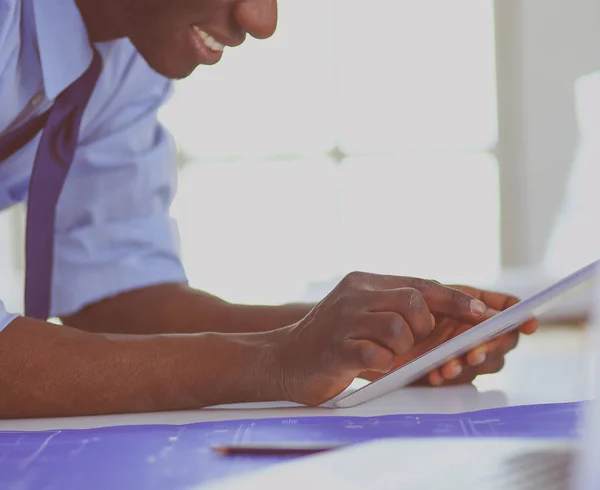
x: 503, y: 322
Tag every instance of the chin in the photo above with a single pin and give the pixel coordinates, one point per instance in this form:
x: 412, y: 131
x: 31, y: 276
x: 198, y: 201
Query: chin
x: 175, y: 74
x: 173, y: 68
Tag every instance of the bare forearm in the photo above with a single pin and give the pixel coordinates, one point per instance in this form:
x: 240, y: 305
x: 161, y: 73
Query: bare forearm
x: 48, y: 370
x: 177, y: 308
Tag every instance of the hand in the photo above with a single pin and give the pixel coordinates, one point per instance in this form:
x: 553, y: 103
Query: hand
x: 366, y: 323
x: 485, y: 359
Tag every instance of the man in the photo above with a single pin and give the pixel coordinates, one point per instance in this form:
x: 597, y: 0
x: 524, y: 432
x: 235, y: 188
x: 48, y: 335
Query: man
x: 80, y: 85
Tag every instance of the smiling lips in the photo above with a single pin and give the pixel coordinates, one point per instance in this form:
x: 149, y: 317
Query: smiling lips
x: 207, y: 40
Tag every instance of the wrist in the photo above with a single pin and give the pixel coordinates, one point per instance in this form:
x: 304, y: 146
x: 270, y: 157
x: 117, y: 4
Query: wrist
x: 273, y: 362
x: 263, y: 377
x: 216, y: 368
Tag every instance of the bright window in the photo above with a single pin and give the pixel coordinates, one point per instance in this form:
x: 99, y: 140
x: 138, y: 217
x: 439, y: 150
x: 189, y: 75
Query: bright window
x: 358, y: 137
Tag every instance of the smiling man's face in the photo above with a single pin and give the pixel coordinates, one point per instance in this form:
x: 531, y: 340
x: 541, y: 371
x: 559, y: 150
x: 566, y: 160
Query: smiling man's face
x: 175, y: 36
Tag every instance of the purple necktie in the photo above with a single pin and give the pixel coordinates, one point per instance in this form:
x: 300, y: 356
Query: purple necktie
x: 52, y: 163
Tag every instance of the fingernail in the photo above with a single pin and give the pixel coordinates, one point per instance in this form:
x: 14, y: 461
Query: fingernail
x: 436, y: 379
x: 479, y: 357
x: 456, y: 371
x: 478, y: 307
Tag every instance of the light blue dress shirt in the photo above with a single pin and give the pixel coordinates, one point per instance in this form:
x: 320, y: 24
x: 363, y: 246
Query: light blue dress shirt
x: 113, y: 229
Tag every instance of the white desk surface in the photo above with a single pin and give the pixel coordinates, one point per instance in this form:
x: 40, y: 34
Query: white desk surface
x: 552, y: 366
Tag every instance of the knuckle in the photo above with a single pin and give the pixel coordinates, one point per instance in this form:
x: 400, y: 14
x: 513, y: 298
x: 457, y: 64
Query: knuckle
x: 459, y: 298
x: 353, y: 279
x: 455, y: 295
x: 354, y: 282
x: 418, y: 311
x: 399, y: 335
x: 348, y: 294
x: 416, y: 300
x: 394, y: 325
x: 421, y: 284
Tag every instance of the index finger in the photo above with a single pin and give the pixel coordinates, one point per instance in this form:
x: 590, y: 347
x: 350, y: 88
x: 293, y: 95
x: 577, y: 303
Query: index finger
x: 450, y: 301
x: 499, y: 302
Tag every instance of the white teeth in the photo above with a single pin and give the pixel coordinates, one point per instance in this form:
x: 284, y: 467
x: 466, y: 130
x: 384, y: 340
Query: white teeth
x: 208, y: 40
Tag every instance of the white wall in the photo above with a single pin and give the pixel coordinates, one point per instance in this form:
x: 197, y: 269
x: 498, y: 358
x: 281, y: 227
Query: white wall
x: 543, y: 46
x: 12, y: 243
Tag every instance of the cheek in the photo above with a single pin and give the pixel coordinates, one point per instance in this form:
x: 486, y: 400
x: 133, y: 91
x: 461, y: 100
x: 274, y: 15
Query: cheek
x: 155, y: 18
x: 158, y: 27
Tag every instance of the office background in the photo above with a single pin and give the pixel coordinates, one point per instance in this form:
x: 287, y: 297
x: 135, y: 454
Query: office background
x: 449, y: 139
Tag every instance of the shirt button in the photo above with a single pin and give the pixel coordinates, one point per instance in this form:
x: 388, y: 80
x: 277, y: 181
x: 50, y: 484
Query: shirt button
x: 36, y: 100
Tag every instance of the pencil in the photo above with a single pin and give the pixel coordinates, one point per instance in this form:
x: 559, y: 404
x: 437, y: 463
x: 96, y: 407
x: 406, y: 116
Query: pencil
x: 283, y: 449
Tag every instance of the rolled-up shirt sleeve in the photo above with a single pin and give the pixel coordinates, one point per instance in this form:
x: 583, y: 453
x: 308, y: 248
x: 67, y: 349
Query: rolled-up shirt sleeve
x: 114, y: 232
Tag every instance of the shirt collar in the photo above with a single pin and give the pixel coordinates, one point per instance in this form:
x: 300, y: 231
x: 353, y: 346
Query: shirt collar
x: 63, y: 44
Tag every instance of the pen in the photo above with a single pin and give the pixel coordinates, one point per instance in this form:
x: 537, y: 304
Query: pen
x: 275, y: 449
